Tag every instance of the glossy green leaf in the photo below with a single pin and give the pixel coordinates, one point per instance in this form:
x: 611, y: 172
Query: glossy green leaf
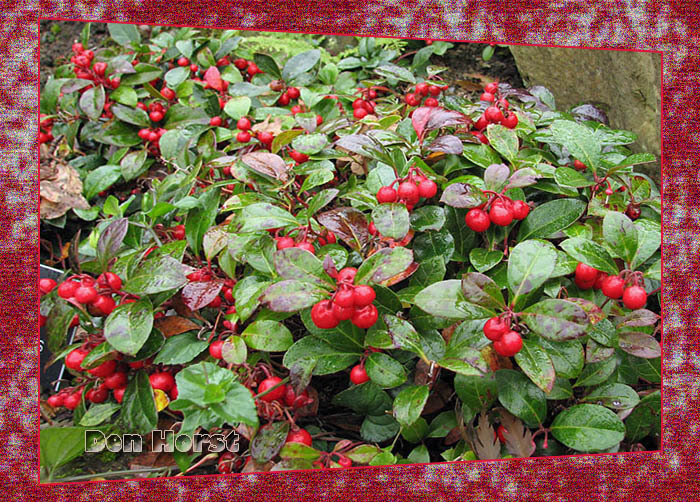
x: 588, y: 428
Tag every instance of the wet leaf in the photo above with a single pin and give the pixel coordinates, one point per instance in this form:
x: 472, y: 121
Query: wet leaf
x: 463, y: 195
x: 409, y: 403
x: 267, y: 164
x: 384, y: 265
x: 482, y: 290
x: 174, y: 325
x: 639, y: 345
x: 588, y: 428
x: 536, y: 364
x: 391, y: 220
x: 556, y: 319
x: 446, y: 144
x: 292, y: 296
x: 199, y: 294
x: 348, y: 224
x: 128, y: 327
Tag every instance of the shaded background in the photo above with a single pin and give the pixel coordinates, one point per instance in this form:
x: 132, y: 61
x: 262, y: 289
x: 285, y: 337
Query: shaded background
x: 671, y: 27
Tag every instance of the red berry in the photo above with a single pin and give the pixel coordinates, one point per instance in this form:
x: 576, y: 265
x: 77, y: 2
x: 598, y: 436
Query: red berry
x: 365, y: 317
x: 153, y: 136
x: 431, y: 102
x: 613, y: 287
x: 56, y: 400
x: 179, y: 232
x: 427, y: 189
x: 358, y: 375
x: 116, y: 380
x: 477, y: 220
x: 141, y: 106
x: 253, y: 69
x: 347, y: 274
x: 409, y: 192
x: 241, y: 63
x: 194, y: 68
x: 344, y: 462
x: 487, y: 96
x: 599, y: 280
x: 434, y: 90
x: 386, y: 194
x: 215, y: 121
x: 422, y: 88
x: 345, y: 297
x: 285, y: 242
x: 495, y: 328
x: 633, y: 212
x: 319, y: 120
x: 163, y: 381
x: 584, y: 284
x: 283, y: 99
x: 113, y: 280
x: 363, y: 295
x: 330, y: 237
x: 491, y: 87
x: 215, y: 303
x: 293, y: 93
x: 299, y: 436
x: 342, y: 313
x: 105, y: 369
x: 268, y: 383
x: 520, y: 209
x: 99, y: 68
x: 215, y: 349
x: 97, y: 395
x: 634, y: 297
x: 493, y: 114
x: 75, y: 358
x: 586, y: 273
x: 243, y: 124
x: 298, y: 156
x: 509, y: 344
x: 322, y: 315
x: 73, y: 400
x: 480, y: 137
x: 579, y: 165
x: 306, y: 245
x: 119, y: 394
x: 46, y: 285
x: 359, y: 113
x: 183, y: 61
x: 371, y: 228
x: 412, y: 99
x: 167, y: 93
x: 265, y: 137
x: 500, y: 434
x: 500, y: 214
x: 510, y: 121
x: 243, y: 137
x: 105, y: 304
x: 156, y: 116
x: 358, y: 103
x: 77, y: 47
x: 85, y: 294
x: 503, y: 103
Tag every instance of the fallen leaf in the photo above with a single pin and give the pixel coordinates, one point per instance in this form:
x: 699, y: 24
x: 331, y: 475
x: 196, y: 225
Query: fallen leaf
x: 518, y: 438
x: 275, y: 128
x: 60, y: 191
x: 174, y: 325
x: 482, y: 437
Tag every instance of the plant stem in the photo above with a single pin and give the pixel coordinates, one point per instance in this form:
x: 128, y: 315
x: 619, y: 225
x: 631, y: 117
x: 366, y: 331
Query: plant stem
x: 87, y: 477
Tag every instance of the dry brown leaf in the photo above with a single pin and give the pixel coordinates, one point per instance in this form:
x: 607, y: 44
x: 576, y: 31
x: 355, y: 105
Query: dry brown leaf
x: 275, y: 128
x: 438, y: 398
x: 518, y: 438
x: 486, y: 445
x: 449, y: 331
x: 174, y: 325
x: 61, y: 191
x: 310, y: 410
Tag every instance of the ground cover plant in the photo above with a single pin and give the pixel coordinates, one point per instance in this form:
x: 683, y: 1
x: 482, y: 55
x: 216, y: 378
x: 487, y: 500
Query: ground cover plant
x: 339, y: 257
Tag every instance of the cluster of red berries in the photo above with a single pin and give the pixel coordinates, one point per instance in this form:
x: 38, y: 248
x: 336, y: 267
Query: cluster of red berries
x: 506, y: 342
x: 365, y: 105
x: 502, y: 212
x: 422, y: 90
x: 349, y: 302
x: 411, y: 189
x: 178, y: 232
x: 248, y: 68
x: 85, y: 69
x: 290, y: 94
x: 497, y: 113
x: 286, y: 241
x: 85, y: 290
x: 244, y: 124
x: 45, y: 128
x: 613, y: 286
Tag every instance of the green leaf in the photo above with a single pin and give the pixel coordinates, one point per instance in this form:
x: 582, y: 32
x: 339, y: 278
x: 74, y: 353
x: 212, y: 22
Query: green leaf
x: 310, y: 144
x: 580, y: 140
x: 645, y: 418
x: 556, y: 319
x: 176, y: 76
x: 262, y: 215
x: 267, y: 64
x: 427, y: 218
x: 620, y: 234
x: 378, y: 428
x: 124, y: 34
x: 284, y: 138
x: 616, y: 396
x: 530, y: 264
x: 139, y: 413
x: 268, y: 336
x: 521, y: 397
x: 550, y: 217
x: 58, y: 321
x: 384, y: 370
x: 639, y: 345
x: 503, y: 140
x: 299, y: 64
x: 301, y: 265
x: 463, y: 196
x: 292, y: 296
x: 484, y: 260
x: 234, y: 350
x: 60, y: 445
x: 481, y: 290
x: 100, y: 179
x: 329, y: 359
x: 445, y: 299
x: 237, y: 107
x: 596, y: 373
x: 536, y: 364
x: 477, y: 393
x: 98, y: 413
x: 428, y: 272
x: 200, y: 219
x: 567, y: 357
x: 128, y: 327
x: 396, y: 72
x: 133, y: 165
x: 383, y: 265
x: 144, y: 73
x: 92, y: 102
x: 431, y: 244
x: 403, y: 334
x: 567, y: 177
x: 110, y: 241
x: 409, y: 404
x: 588, y: 428
x: 181, y: 349
x: 117, y: 133
x: 156, y: 275
x: 391, y: 220
x: 648, y: 239
x: 592, y: 254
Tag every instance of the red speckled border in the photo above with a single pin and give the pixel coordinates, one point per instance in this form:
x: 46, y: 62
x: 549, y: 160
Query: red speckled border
x: 670, y: 27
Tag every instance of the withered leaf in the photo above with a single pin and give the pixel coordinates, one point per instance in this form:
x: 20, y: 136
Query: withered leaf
x: 174, y: 325
x: 347, y: 223
x: 268, y: 164
x: 518, y: 437
x: 482, y: 437
x: 61, y: 191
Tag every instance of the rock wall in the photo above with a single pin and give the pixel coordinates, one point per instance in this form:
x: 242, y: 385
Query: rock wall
x: 626, y: 85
